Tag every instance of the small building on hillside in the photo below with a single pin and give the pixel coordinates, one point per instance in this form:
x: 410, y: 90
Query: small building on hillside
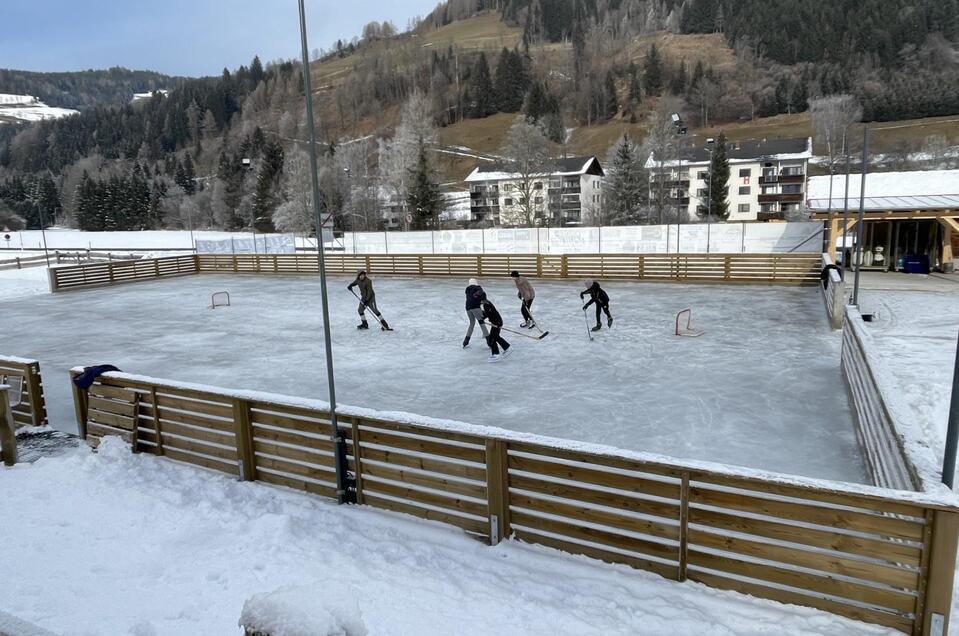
x: 911, y: 219
x: 767, y: 178
x: 570, y: 194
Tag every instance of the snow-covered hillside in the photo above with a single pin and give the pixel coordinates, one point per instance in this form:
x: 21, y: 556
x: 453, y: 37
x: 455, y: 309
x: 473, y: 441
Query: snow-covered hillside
x: 24, y: 108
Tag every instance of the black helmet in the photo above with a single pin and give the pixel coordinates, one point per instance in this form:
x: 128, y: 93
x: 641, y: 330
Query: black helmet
x: 514, y: 274
x: 362, y: 272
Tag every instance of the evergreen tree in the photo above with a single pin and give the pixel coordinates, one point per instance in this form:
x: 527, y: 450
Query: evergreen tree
x: 624, y: 189
x: 653, y: 72
x: 423, y: 194
x: 680, y: 79
x: 481, y: 88
x: 718, y: 206
x: 511, y: 81
x: 610, y: 100
x: 635, y: 87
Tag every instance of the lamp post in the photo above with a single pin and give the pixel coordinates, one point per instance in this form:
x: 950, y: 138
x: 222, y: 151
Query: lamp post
x: 952, y: 432
x: 339, y: 449
x: 862, y: 214
x: 709, y: 200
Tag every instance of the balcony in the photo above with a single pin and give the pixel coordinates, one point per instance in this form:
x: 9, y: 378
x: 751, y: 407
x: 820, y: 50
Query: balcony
x: 792, y: 178
x: 781, y: 198
x: 770, y: 216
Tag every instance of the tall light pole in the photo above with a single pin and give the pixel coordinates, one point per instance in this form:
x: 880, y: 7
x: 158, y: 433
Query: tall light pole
x: 709, y: 201
x: 860, y: 230
x: 339, y: 448
x: 952, y: 432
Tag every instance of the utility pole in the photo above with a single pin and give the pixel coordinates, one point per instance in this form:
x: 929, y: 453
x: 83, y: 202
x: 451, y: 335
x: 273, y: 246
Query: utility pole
x: 952, y: 433
x: 845, y: 218
x: 709, y: 201
x: 339, y: 448
x: 862, y: 214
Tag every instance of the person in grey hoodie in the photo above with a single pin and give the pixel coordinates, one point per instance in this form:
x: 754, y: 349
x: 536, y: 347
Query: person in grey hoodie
x: 526, y: 294
x: 474, y: 298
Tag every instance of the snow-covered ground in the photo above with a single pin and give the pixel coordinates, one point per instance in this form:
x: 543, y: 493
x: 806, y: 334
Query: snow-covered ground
x: 25, y: 108
x: 762, y: 388
x: 114, y: 543
x: 19, y: 283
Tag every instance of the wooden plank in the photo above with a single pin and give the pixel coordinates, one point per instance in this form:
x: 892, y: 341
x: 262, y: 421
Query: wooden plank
x: 110, y: 392
x: 284, y: 437
x: 594, y: 535
x: 203, y: 435
x: 243, y: 437
x: 662, y: 569
x: 475, y: 526
x: 422, y: 431
x: 942, y: 555
x: 205, y: 462
x: 422, y: 497
x: 879, y: 596
x: 892, y: 551
x: 428, y: 464
x: 228, y: 454
x: 112, y: 406
x: 296, y: 454
x: 191, y: 419
x: 290, y: 423
x: 831, y: 563
x: 424, y: 446
x: 596, y: 497
x: 497, y: 489
x: 357, y: 463
x: 297, y: 484
x: 220, y: 410
x: 117, y: 421
x: 619, y: 481
x: 878, y: 617
x: 831, y: 517
x: 684, y: 527
x: 379, y: 471
x: 654, y: 468
x: 596, y: 516
x: 321, y: 473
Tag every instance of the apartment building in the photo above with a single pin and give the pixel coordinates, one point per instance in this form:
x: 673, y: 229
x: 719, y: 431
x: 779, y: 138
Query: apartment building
x: 767, y: 178
x: 570, y: 194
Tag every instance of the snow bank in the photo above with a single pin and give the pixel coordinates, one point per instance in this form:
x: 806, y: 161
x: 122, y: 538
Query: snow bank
x: 116, y: 543
x: 300, y: 611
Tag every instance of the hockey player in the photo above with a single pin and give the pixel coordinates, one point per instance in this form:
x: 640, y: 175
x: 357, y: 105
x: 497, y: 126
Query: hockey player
x: 367, y: 301
x: 474, y: 310
x: 526, y: 294
x: 601, y: 299
x: 496, y: 323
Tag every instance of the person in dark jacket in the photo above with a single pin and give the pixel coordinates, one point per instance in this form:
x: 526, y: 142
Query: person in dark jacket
x: 526, y: 294
x: 600, y: 298
x: 367, y: 301
x: 474, y: 298
x: 496, y: 324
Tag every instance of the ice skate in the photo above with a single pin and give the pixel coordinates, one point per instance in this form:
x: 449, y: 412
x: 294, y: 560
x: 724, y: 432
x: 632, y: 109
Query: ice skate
x: 609, y: 322
x: 597, y: 328
x: 494, y: 358
x: 466, y: 342
x: 363, y: 325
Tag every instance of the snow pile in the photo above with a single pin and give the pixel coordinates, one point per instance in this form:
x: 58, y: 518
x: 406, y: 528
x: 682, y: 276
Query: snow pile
x: 300, y: 611
x: 116, y: 543
x: 20, y: 283
x: 25, y: 108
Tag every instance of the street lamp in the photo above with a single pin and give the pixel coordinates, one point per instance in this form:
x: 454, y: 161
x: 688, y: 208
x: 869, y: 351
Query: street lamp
x: 709, y: 202
x: 339, y: 448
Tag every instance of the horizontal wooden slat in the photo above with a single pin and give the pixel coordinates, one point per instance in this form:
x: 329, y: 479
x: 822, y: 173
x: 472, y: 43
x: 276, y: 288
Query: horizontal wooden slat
x: 206, y: 462
x: 597, y: 497
x: 873, y: 524
x: 297, y: 484
x: 429, y: 464
x: 321, y: 473
x: 111, y: 392
x: 289, y: 437
x: 112, y: 406
x: 423, y: 446
x: 193, y: 406
x: 100, y: 430
x: 286, y: 422
x: 475, y: 526
x: 423, y: 431
x: 619, y: 481
x: 435, y: 482
x: 834, y: 564
x: 117, y: 421
x: 596, y: 459
x: 228, y: 454
x: 854, y: 612
x: 594, y: 535
x: 880, y: 597
x: 892, y: 551
x: 297, y: 454
x: 193, y: 419
x: 420, y: 496
x: 596, y: 516
x: 172, y: 428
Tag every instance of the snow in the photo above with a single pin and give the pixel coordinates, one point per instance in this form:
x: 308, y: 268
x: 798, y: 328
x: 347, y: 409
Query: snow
x: 28, y: 109
x: 883, y: 185
x: 65, y: 239
x: 20, y: 283
x: 776, y: 405
x: 116, y: 543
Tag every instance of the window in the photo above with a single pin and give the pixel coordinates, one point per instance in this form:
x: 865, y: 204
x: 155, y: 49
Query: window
x: 792, y: 189
x: 538, y: 200
x: 744, y: 208
x: 538, y: 185
x: 597, y: 185
x: 768, y: 190
x: 744, y: 190
x: 702, y: 193
x: 507, y: 187
x: 507, y: 202
x: 703, y: 175
x: 746, y: 172
x: 792, y: 171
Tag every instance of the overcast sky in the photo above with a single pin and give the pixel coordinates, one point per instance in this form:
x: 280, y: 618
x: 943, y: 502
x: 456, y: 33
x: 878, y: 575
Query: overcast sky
x: 178, y: 37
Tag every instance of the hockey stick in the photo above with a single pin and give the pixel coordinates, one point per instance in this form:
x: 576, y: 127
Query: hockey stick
x: 588, y: 332
x: 518, y: 333
x: 383, y: 326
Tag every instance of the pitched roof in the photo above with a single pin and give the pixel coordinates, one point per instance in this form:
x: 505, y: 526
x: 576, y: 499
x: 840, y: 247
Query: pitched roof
x: 746, y: 150
x: 910, y: 190
x: 561, y: 167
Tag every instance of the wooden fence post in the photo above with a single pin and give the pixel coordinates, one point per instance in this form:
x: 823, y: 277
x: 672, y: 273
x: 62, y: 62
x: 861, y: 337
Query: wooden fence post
x: 497, y: 489
x: 727, y: 267
x: 357, y: 460
x: 940, y: 575
x: 564, y: 267
x: 539, y: 265
x: 38, y: 411
x: 80, y: 400
x: 642, y: 266
x: 243, y: 431
x: 8, y: 438
x: 683, y: 527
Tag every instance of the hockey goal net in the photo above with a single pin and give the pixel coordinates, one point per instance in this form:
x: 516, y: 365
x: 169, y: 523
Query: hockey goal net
x: 684, y: 325
x: 220, y: 299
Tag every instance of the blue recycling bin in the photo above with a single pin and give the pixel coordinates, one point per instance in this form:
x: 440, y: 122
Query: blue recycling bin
x: 916, y: 264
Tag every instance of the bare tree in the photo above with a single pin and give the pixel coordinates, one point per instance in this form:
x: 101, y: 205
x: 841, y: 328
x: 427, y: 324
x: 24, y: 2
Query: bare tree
x: 296, y: 213
x: 832, y: 117
x: 526, y: 151
x: 936, y: 151
x: 661, y: 146
x: 398, y: 156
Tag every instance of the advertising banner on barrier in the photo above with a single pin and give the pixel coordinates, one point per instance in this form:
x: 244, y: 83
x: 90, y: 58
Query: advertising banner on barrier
x: 255, y: 244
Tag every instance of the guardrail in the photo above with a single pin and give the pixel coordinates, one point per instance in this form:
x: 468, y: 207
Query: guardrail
x: 29, y: 407
x: 111, y: 273
x: 876, y: 555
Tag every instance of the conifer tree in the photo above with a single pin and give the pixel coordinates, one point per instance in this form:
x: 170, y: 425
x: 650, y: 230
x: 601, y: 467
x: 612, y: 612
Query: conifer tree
x: 653, y: 72
x: 624, y: 192
x: 718, y: 206
x: 481, y: 89
x: 423, y: 194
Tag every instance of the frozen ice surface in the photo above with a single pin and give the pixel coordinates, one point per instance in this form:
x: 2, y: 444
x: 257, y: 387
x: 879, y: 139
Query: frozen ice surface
x: 762, y: 388
x: 114, y: 543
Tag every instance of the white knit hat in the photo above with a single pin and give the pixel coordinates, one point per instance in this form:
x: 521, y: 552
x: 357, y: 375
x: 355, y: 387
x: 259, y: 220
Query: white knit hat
x: 473, y: 281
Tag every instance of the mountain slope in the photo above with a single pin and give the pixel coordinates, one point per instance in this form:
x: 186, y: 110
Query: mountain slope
x: 83, y: 90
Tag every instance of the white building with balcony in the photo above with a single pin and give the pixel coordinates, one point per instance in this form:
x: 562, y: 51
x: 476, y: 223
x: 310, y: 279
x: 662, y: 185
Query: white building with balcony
x: 767, y: 178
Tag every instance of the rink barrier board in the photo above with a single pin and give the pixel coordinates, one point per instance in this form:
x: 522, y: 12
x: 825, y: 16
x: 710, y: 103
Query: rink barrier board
x: 31, y: 410
x: 871, y: 554
x: 834, y: 295
x: 769, y: 269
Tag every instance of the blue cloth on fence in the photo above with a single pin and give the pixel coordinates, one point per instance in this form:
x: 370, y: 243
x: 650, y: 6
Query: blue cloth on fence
x: 90, y: 374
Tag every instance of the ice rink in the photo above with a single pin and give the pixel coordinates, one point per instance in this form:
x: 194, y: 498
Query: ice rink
x: 762, y: 388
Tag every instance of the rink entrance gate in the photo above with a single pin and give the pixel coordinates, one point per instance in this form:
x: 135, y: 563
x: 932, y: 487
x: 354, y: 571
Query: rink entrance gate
x: 871, y: 554
x: 769, y: 269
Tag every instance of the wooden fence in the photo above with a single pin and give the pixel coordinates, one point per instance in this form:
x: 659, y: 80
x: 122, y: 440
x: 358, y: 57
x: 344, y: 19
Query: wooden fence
x: 770, y: 269
x: 875, y: 555
x: 30, y: 409
x: 113, y: 272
